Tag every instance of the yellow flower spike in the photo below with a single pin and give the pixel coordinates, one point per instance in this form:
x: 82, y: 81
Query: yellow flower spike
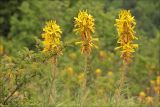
x: 149, y: 100
x: 110, y: 74
x: 98, y: 72
x: 125, y: 25
x: 84, y: 25
x: 70, y: 71
x: 52, y: 35
x: 84, y: 22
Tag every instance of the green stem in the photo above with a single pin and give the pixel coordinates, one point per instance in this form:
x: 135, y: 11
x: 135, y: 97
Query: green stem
x: 52, y: 90
x: 121, y: 85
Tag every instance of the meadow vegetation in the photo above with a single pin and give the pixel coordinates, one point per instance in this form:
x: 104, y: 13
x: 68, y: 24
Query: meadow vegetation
x: 80, y: 53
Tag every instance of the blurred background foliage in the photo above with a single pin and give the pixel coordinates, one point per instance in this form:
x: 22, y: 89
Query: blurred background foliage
x: 21, y: 23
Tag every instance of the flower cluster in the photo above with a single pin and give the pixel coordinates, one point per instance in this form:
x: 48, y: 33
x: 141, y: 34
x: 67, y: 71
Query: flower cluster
x: 125, y: 27
x: 154, y: 90
x: 84, y: 25
x: 145, y: 99
x: 52, y: 35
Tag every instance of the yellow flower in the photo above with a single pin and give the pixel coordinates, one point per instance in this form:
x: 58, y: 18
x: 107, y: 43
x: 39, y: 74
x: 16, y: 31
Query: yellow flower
x: 125, y: 27
x: 102, y: 54
x: 70, y: 70
x: 52, y: 35
x: 142, y: 94
x: 149, y: 100
x: 98, y: 72
x: 110, y: 73
x: 84, y: 25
